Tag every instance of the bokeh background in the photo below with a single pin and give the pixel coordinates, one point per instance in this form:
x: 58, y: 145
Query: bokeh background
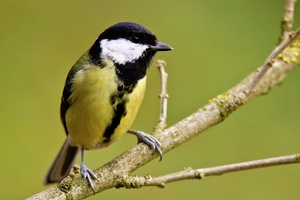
x: 217, y: 43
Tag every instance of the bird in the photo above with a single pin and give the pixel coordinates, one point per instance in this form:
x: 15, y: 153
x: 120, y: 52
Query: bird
x: 102, y: 95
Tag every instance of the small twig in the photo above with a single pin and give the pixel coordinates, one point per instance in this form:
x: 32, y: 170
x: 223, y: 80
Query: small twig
x: 283, y: 160
x: 288, y: 18
x: 271, y: 59
x: 287, y: 38
x: 188, y: 173
x: 161, y: 125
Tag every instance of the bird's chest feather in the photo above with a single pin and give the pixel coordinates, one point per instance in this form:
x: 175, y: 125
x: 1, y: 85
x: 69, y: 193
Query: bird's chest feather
x: 101, y: 110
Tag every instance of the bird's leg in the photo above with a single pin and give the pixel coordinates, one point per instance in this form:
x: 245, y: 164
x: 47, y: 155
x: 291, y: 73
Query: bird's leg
x: 85, y: 172
x: 150, y: 140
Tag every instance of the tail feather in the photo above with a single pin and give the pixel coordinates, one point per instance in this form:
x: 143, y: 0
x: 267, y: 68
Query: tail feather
x: 62, y: 164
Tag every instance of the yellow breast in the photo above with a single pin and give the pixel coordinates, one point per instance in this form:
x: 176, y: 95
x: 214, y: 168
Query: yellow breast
x: 91, y: 110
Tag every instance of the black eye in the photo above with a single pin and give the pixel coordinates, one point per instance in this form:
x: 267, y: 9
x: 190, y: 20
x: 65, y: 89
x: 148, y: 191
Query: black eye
x: 135, y: 39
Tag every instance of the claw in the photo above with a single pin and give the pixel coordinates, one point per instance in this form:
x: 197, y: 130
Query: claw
x: 150, y: 140
x: 88, y: 174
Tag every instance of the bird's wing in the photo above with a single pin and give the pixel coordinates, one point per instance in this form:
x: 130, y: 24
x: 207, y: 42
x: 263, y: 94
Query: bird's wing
x: 67, y: 91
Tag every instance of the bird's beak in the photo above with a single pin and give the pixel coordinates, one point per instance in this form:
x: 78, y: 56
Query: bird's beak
x: 161, y: 47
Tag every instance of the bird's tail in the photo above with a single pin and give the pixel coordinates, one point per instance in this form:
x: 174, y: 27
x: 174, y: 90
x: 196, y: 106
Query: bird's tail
x: 62, y: 164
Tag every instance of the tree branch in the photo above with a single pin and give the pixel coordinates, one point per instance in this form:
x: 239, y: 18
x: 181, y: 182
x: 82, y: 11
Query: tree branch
x: 161, y: 125
x: 288, y: 18
x: 270, y: 61
x: 188, y: 173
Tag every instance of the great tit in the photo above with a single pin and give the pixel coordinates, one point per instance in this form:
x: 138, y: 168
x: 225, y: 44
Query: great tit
x: 102, y: 94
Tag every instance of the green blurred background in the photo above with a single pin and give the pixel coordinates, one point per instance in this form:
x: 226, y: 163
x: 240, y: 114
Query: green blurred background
x: 217, y: 43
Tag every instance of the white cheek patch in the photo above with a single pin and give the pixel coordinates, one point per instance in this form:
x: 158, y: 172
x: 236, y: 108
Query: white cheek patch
x: 121, y: 50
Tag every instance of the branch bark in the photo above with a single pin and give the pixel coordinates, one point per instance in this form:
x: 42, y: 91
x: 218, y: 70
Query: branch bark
x: 288, y: 18
x: 271, y: 59
x: 163, y: 96
x: 116, y: 172
x: 189, y: 173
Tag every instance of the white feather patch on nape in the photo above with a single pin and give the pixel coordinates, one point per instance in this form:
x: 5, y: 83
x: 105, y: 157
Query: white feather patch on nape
x: 121, y: 50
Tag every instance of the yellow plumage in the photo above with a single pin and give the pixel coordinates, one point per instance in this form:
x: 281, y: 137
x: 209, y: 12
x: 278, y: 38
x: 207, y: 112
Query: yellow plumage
x: 91, y: 110
x: 134, y: 101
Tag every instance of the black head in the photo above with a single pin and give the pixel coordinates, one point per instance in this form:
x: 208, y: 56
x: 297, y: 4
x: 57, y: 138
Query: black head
x: 130, y: 31
x: 130, y: 46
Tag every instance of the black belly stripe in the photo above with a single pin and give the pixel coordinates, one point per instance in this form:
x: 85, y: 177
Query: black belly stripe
x: 118, y: 101
x: 119, y: 112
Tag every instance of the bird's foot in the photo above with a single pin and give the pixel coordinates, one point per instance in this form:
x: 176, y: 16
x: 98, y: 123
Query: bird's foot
x: 150, y: 140
x: 88, y: 174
